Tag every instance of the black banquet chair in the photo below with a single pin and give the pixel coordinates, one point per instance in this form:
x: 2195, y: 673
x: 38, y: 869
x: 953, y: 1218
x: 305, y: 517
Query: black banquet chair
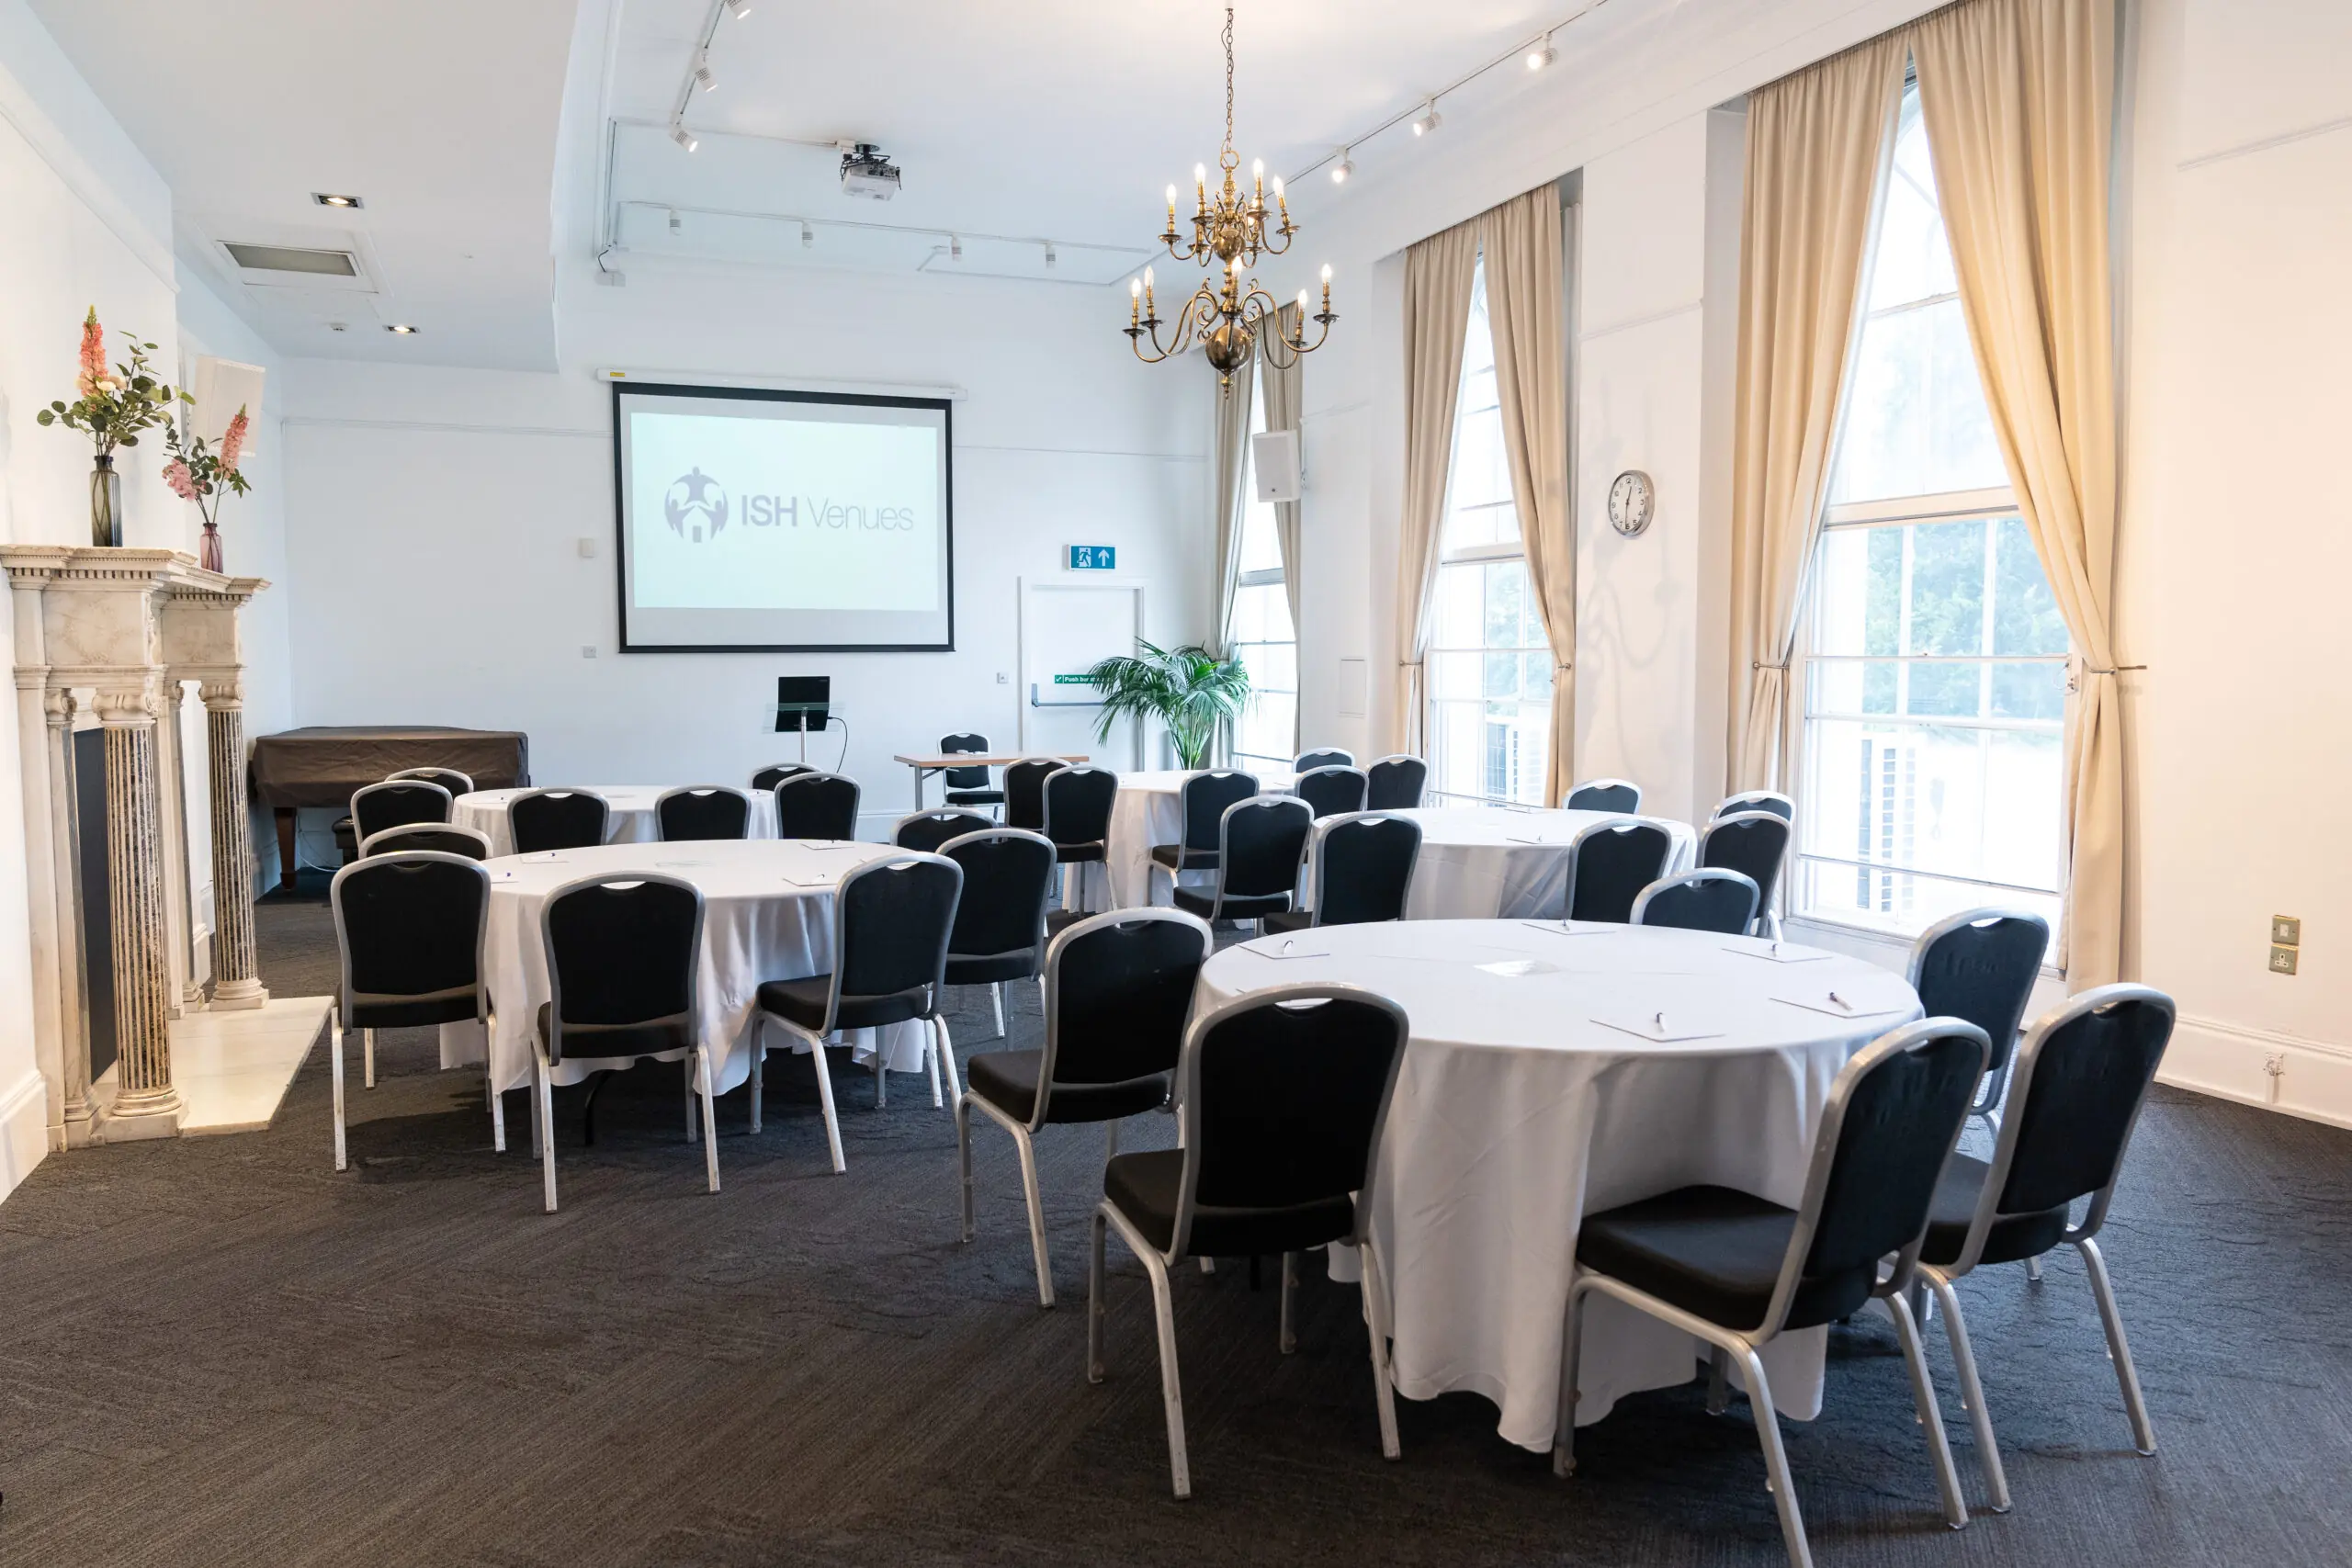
x: 622, y: 956
x: 1322, y: 757
x: 767, y: 778
x: 702, y: 812
x: 1203, y: 802
x: 926, y: 830
x: 968, y: 786
x: 1364, y: 869
x: 817, y: 805
x: 1703, y: 900
x: 1981, y: 964
x: 549, y: 820
x: 1621, y: 796
x: 1755, y: 845
x: 450, y: 779
x: 1748, y: 800
x: 999, y: 931
x: 1079, y: 799
x: 1025, y: 791
x: 438, y: 836
x: 1260, y: 845
x: 2082, y: 1074
x: 1335, y: 791
x: 1282, y: 1097
x: 891, y: 922
x: 1609, y: 864
x: 396, y: 802
x: 1118, y: 991
x: 409, y: 929
x: 1738, y: 1270
x: 1396, y: 783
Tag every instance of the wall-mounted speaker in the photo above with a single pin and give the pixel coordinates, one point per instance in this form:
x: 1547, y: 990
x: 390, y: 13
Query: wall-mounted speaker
x: 1274, y: 458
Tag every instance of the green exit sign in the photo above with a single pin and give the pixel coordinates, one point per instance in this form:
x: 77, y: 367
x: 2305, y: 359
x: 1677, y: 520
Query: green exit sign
x: 1071, y: 680
x: 1093, y: 558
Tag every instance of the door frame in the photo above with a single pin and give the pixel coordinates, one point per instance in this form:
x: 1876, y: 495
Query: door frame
x: 1026, y: 586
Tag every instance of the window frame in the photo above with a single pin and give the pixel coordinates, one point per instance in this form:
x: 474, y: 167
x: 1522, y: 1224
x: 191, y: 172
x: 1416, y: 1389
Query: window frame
x: 1275, y: 576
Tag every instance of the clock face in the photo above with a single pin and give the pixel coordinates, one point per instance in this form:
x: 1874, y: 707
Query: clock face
x: 1630, y: 500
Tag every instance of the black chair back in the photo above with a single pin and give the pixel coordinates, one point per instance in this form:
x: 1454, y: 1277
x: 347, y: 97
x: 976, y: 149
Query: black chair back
x: 396, y: 802
x: 1077, y: 805
x: 769, y: 777
x: 1364, y: 868
x: 1981, y: 964
x: 410, y: 926
x: 1755, y: 845
x: 439, y: 837
x: 702, y: 812
x: 1621, y: 796
x: 1894, y: 1115
x: 1334, y: 791
x: 557, y: 820
x: 1206, y: 797
x: 455, y: 783
x: 926, y: 830
x: 966, y: 778
x: 2083, y: 1075
x: 1699, y: 901
x: 1282, y: 1100
x: 1610, y: 863
x: 1024, y: 791
x: 1395, y: 783
x: 1323, y: 757
x: 1748, y: 800
x: 1008, y: 875
x: 1119, y: 991
x: 817, y: 805
x: 1262, y: 841
x: 893, y: 918
x: 622, y: 953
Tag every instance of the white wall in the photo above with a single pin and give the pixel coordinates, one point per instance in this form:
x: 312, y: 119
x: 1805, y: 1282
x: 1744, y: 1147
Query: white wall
x: 437, y: 514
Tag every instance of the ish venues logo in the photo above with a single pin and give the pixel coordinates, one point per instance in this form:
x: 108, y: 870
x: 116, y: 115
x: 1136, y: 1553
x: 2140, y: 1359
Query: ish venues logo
x: 696, y: 506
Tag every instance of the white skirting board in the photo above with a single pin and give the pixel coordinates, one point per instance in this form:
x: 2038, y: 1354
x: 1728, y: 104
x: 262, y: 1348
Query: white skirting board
x: 24, y: 1129
x: 2309, y: 1078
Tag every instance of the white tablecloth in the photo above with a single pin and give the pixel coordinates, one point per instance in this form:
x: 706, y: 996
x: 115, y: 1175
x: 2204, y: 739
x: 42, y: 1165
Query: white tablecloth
x: 757, y: 926
x: 1517, y: 1113
x: 1482, y: 862
x: 630, y: 822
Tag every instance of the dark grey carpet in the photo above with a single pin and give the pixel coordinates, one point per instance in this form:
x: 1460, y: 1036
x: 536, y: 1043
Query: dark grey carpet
x: 219, y: 1351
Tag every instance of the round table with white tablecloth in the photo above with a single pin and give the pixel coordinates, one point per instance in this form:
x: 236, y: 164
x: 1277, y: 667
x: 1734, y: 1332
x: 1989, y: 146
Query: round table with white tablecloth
x: 1150, y: 810
x: 630, y: 822
x: 1499, y: 862
x: 767, y: 914
x: 1555, y: 1072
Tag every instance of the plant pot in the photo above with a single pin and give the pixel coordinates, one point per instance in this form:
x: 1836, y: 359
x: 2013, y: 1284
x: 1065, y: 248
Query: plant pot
x: 105, y: 505
x: 208, y: 550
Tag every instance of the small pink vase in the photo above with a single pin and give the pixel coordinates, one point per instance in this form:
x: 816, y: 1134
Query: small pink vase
x: 207, y: 552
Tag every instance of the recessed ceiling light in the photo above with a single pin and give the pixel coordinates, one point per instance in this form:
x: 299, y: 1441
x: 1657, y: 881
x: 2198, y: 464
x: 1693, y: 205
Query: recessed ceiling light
x: 329, y: 198
x: 401, y: 329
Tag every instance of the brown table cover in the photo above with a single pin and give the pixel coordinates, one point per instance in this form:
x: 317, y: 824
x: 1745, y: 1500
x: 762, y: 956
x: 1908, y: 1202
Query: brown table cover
x: 323, y: 764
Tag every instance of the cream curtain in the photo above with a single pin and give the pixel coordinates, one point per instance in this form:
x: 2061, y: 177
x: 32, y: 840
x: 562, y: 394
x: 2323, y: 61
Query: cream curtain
x: 1228, y: 464
x: 2019, y: 98
x: 1816, y: 141
x: 1521, y: 242
x: 1282, y: 393
x: 1438, y: 273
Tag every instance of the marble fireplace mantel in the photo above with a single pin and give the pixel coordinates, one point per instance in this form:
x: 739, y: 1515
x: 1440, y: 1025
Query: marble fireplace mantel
x: 118, y: 633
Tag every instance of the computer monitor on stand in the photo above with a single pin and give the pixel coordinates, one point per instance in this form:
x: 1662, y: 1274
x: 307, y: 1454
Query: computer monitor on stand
x: 803, y: 703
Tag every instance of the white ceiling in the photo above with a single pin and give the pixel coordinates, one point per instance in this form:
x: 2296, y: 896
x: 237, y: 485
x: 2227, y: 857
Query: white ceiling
x: 1017, y: 122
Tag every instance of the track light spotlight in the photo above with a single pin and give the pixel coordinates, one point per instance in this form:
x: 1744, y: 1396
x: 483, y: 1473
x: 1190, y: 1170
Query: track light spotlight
x: 703, y: 75
x: 682, y: 136
x: 1543, y: 54
x: 1429, y: 119
x: 1049, y: 253
x: 808, y: 237
x: 1343, y: 168
x: 955, y: 247
x: 741, y: 8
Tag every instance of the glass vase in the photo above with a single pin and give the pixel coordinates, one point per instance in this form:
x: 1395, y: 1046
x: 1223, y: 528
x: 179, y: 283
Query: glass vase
x: 105, y: 504
x: 208, y: 550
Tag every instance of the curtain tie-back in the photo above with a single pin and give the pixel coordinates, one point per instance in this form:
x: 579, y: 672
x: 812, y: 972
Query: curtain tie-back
x: 2116, y: 670
x: 1758, y: 664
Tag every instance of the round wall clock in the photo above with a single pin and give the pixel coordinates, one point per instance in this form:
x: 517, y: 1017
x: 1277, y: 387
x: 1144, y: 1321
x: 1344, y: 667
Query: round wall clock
x: 1631, y: 501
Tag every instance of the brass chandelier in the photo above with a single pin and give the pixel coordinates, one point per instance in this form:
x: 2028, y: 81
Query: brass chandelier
x: 1228, y: 315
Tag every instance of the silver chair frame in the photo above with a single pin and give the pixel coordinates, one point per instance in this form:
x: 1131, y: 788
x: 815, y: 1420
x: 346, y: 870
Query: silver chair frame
x: 1987, y: 1105
x: 1224, y: 849
x: 1764, y: 910
x: 367, y: 845
x: 1158, y: 1263
x: 448, y: 801
x: 340, y: 1006
x: 1745, y: 1343
x: 433, y: 775
x: 1938, y: 1278
x: 1694, y: 878
x: 1045, y: 811
x: 1024, y: 1134
x: 1057, y: 766
x: 1575, y: 789
x: 1743, y: 803
x: 996, y: 989
x: 932, y: 814
x: 1613, y: 824
x: 669, y: 794
x: 562, y: 792
x: 939, y: 1047
x: 856, y: 801
x: 1327, y: 826
x: 1184, y: 826
x: 1324, y: 752
x: 1398, y: 757
x: 1365, y: 795
x: 697, y: 1065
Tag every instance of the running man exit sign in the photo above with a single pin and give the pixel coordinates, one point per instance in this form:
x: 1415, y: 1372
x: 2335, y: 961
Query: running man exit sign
x: 1093, y: 558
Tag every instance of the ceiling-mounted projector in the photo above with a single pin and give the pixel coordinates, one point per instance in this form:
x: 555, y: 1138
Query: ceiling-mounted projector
x: 867, y: 173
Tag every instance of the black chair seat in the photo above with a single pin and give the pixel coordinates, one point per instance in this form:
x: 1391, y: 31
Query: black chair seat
x: 1144, y: 1186
x: 588, y: 1041
x: 1072, y: 855
x: 989, y: 969
x: 803, y: 1002
x: 1288, y: 920
x: 2012, y: 1237
x: 1716, y: 1253
x: 453, y: 1006
x: 1008, y: 1079
x: 1200, y: 901
x: 1176, y: 857
x: 975, y: 798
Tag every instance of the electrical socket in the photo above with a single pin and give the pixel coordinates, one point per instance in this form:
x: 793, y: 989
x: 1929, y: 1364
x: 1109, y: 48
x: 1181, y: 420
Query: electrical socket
x: 2287, y: 930
x: 588, y: 651
x: 2282, y: 960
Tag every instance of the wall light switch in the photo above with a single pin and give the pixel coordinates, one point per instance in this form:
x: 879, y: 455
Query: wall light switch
x: 2287, y: 930
x: 587, y: 547
x: 2282, y: 960
x: 588, y: 651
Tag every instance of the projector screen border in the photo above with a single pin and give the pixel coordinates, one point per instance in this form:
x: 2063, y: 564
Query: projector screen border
x: 944, y: 406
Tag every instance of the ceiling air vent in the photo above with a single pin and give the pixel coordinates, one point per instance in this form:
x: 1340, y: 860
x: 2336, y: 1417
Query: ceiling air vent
x: 290, y: 258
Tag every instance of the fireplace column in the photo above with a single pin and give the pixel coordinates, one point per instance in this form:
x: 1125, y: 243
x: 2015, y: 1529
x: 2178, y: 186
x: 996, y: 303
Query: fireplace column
x: 72, y: 963
x: 143, y: 1094
x: 236, y: 972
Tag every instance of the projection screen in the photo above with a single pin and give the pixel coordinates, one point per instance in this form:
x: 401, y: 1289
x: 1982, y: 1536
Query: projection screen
x: 789, y: 521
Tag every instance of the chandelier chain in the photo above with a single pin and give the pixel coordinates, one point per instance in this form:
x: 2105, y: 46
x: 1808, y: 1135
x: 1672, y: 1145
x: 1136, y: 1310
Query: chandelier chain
x: 1229, y: 160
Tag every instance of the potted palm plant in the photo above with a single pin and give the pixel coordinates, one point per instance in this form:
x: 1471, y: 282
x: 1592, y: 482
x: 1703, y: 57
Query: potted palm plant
x: 1189, y: 689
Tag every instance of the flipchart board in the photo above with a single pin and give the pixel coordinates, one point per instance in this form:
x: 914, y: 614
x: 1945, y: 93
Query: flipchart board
x: 1067, y: 628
